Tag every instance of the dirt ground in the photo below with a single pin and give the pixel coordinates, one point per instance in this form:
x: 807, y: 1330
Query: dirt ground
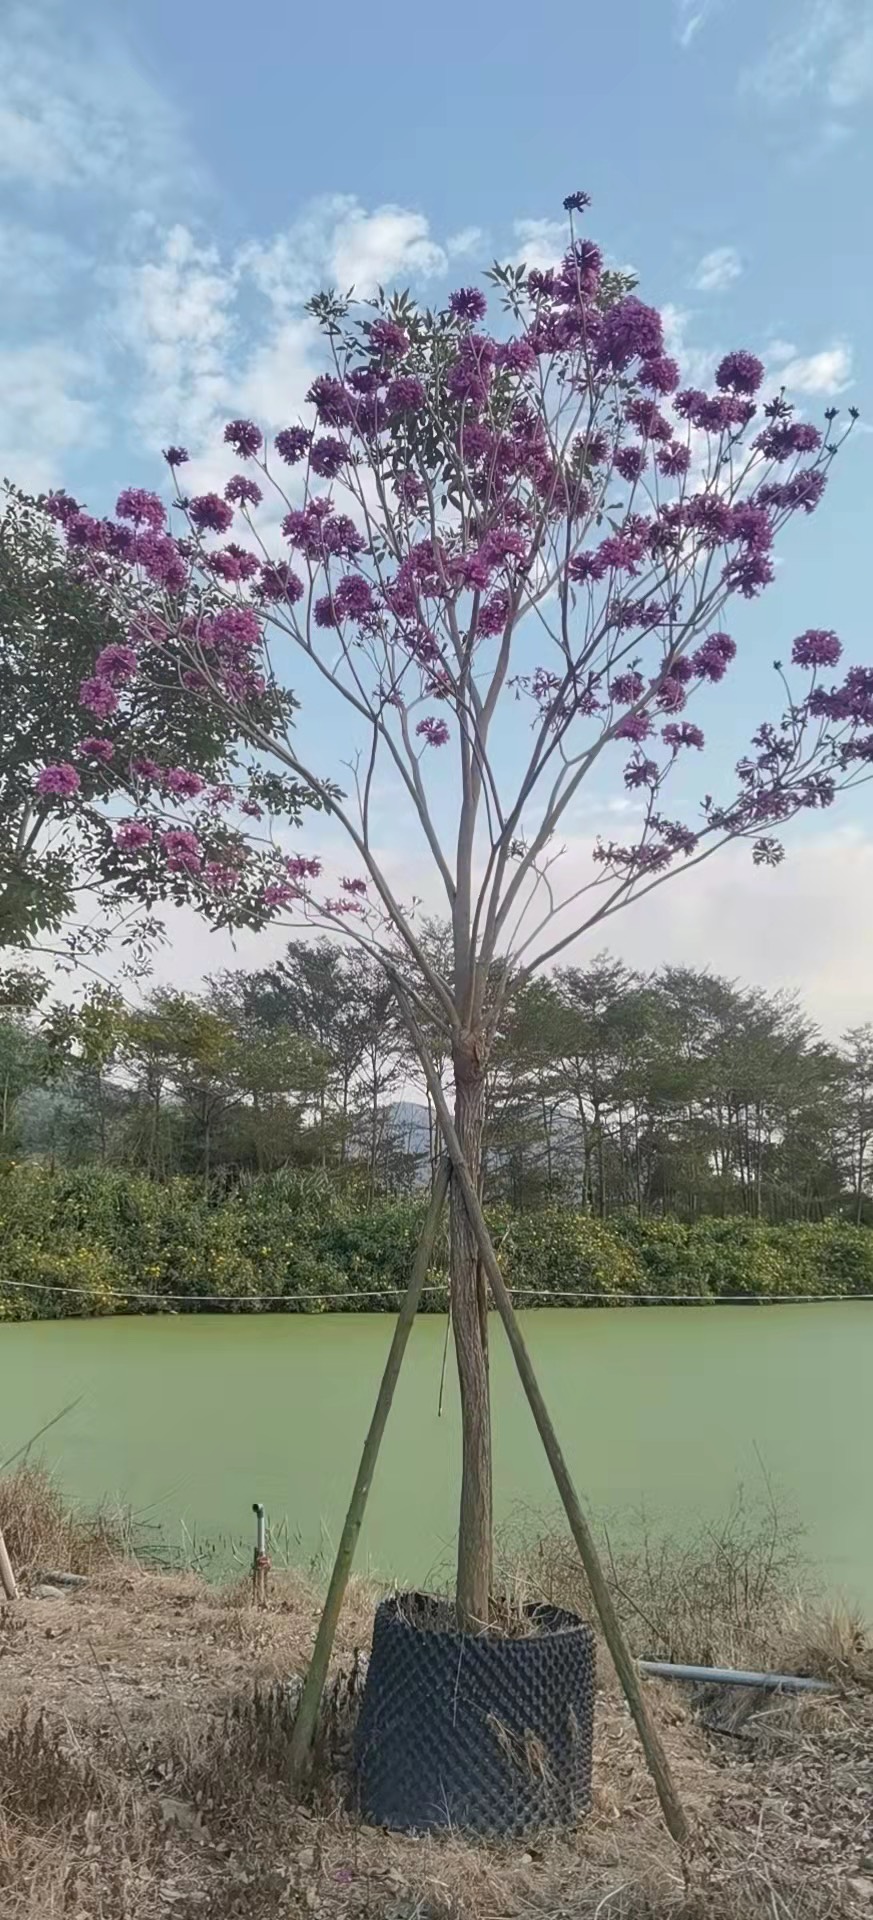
x: 141, y: 1746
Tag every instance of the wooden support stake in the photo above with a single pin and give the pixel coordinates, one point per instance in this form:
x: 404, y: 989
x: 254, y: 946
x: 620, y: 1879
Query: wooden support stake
x: 658, y: 1764
x: 7, y: 1577
x: 313, y: 1688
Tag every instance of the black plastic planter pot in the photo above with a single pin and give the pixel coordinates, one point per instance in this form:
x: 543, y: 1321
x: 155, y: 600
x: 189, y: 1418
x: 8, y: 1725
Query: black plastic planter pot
x: 475, y: 1731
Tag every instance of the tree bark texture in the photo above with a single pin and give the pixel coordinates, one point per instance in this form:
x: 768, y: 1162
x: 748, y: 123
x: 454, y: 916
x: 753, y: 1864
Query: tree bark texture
x: 470, y: 1328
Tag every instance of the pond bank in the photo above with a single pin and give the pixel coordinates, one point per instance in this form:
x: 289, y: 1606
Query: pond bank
x: 143, y: 1747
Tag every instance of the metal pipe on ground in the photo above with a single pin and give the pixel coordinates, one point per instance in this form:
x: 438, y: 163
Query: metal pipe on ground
x: 735, y: 1677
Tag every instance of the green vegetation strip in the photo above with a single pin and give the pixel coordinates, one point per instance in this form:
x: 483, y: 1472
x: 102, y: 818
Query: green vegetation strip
x: 94, y: 1240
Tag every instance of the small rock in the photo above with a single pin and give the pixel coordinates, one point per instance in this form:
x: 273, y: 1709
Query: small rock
x: 47, y: 1592
x: 861, y: 1886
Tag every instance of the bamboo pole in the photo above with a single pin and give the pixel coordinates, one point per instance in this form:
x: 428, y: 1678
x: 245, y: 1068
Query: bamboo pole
x: 659, y: 1765
x: 313, y: 1687
x: 7, y: 1577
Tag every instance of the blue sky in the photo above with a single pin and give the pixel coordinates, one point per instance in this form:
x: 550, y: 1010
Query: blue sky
x: 174, y: 180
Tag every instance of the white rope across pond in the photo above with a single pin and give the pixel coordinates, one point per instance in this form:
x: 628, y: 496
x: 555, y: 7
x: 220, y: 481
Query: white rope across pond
x: 392, y: 1293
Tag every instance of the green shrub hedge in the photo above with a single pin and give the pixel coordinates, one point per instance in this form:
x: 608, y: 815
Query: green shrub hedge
x: 94, y: 1240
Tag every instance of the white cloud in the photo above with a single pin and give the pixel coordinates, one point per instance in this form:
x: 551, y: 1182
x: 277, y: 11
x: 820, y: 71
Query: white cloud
x: 691, y: 16
x: 470, y: 240
x: 175, y: 318
x: 806, y: 926
x: 47, y: 406
x: 825, y: 55
x: 717, y: 270
x: 75, y: 112
x: 371, y: 248
x: 207, y: 335
x: 540, y: 243
x: 35, y: 264
x: 826, y: 373
x: 696, y: 362
x: 850, y: 79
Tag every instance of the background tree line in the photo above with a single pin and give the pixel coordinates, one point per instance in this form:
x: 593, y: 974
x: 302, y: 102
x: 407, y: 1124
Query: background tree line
x: 677, y: 1093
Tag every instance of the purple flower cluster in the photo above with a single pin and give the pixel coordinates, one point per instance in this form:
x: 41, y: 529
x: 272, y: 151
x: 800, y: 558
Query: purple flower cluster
x: 161, y: 560
x: 629, y: 331
x: 242, y: 492
x: 94, y: 747
x: 57, y: 782
x: 404, y: 394
x: 713, y: 413
x: 634, y: 726
x: 646, y: 416
x: 468, y: 303
x: 292, y: 444
x: 354, y: 598
x: 739, y: 372
x: 712, y: 659
x: 183, y: 784
x: 469, y: 380
x: 673, y: 460
x: 117, y: 664
x: 494, y: 613
x: 631, y: 462
x: 279, y: 582
x: 328, y: 456
x: 183, y: 850
x: 786, y: 437
x: 301, y: 866
x: 641, y: 772
x: 318, y: 532
x: 232, y: 563
x: 332, y: 402
x: 628, y: 687
x: 244, y: 437
x: 388, y: 339
x: 434, y: 731
x: 144, y: 509
x: 133, y: 836
x: 209, y: 513
x: 98, y: 697
x: 818, y: 647
x: 659, y: 375
x: 682, y: 734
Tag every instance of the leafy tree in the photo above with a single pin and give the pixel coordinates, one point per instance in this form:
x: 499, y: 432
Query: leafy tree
x: 83, y: 1040
x: 857, y: 1108
x: 309, y: 991
x: 22, y: 1066
x: 77, y: 757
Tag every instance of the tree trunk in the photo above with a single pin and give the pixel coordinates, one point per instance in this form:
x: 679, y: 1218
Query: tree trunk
x: 101, y: 1113
x: 470, y: 1328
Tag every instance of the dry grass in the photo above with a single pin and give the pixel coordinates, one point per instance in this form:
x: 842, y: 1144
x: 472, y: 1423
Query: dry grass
x: 44, y: 1534
x: 720, y: 1595
x: 144, y: 1722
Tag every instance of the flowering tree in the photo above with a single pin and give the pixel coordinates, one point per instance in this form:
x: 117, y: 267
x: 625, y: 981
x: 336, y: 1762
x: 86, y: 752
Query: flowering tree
x: 80, y: 745
x: 509, y: 551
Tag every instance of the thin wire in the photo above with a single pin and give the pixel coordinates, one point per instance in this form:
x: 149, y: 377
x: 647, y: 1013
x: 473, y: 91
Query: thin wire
x: 394, y: 1293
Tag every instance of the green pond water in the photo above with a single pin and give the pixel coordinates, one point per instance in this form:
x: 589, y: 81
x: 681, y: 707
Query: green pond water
x: 188, y: 1420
